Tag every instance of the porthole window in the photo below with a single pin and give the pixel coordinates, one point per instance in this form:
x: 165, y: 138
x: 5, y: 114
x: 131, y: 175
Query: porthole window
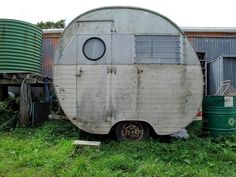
x: 94, y: 48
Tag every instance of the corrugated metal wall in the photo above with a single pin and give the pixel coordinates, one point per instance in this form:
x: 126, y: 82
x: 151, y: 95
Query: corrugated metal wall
x: 214, y: 46
x: 215, y: 75
x: 230, y: 69
x: 223, y: 68
x: 50, y: 42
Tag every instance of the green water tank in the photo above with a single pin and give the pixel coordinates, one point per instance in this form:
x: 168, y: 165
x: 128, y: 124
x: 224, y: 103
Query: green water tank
x: 20, y: 47
x: 219, y: 115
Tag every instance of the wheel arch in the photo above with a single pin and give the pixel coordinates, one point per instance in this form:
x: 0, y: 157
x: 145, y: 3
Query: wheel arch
x: 151, y: 129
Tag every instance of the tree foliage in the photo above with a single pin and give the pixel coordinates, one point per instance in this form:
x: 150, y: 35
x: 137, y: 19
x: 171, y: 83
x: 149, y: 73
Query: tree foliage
x: 50, y: 24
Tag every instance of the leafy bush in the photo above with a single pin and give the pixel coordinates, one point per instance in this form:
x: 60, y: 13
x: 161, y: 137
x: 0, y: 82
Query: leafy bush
x: 9, y: 111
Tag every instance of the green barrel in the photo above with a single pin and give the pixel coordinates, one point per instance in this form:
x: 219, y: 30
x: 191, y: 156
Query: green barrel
x: 219, y: 115
x: 20, y: 47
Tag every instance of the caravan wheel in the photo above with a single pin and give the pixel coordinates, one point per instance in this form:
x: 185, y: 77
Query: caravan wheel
x: 132, y: 131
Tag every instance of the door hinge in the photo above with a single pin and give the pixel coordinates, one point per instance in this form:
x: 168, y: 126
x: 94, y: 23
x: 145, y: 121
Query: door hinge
x: 111, y: 69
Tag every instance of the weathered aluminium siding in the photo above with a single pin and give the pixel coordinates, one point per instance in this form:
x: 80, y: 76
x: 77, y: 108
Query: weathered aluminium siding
x: 103, y: 99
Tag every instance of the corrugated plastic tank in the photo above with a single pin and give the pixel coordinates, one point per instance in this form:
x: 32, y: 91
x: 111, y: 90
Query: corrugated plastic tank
x: 20, y: 47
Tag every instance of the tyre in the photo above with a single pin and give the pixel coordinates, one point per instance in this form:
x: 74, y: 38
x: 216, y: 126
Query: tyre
x: 131, y: 131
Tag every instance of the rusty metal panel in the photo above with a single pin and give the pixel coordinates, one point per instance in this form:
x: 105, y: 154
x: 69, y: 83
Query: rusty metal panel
x: 209, y: 31
x: 49, y: 45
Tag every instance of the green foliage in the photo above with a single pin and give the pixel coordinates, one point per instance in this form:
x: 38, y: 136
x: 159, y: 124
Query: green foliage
x: 8, y: 114
x: 48, y: 151
x: 50, y: 24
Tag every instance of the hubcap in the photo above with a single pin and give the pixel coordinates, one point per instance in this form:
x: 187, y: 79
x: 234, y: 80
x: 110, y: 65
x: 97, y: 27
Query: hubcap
x: 132, y: 131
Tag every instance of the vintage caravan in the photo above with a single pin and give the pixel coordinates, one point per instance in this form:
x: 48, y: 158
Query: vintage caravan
x: 129, y: 70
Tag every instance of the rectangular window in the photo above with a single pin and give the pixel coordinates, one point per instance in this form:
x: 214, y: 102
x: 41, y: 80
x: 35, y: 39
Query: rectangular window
x: 157, y: 49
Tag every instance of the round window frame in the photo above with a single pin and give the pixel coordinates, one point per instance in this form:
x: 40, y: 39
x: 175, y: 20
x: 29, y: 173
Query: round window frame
x: 91, y: 59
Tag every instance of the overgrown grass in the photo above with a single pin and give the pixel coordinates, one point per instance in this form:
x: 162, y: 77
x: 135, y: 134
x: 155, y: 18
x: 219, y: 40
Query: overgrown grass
x: 48, y: 151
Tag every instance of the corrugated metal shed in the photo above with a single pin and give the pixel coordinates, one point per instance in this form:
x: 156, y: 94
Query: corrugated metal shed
x: 50, y: 41
x: 214, y: 42
x: 214, y: 46
x: 220, y: 69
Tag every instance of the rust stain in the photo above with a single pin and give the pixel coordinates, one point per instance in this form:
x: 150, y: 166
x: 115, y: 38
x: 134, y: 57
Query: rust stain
x: 209, y: 34
x: 50, y: 42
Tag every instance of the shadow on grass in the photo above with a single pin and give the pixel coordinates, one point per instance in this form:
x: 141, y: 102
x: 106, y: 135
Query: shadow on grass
x: 52, y: 129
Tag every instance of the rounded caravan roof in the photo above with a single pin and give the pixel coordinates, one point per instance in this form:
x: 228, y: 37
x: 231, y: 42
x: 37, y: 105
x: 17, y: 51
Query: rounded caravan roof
x: 127, y: 20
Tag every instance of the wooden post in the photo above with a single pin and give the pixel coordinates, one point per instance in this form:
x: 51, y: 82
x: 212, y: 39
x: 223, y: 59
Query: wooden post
x: 24, y: 106
x: 3, y: 92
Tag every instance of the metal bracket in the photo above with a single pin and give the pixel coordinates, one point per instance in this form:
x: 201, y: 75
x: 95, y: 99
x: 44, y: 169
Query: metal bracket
x: 114, y: 70
x: 139, y: 71
x: 111, y: 69
x: 79, y: 74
